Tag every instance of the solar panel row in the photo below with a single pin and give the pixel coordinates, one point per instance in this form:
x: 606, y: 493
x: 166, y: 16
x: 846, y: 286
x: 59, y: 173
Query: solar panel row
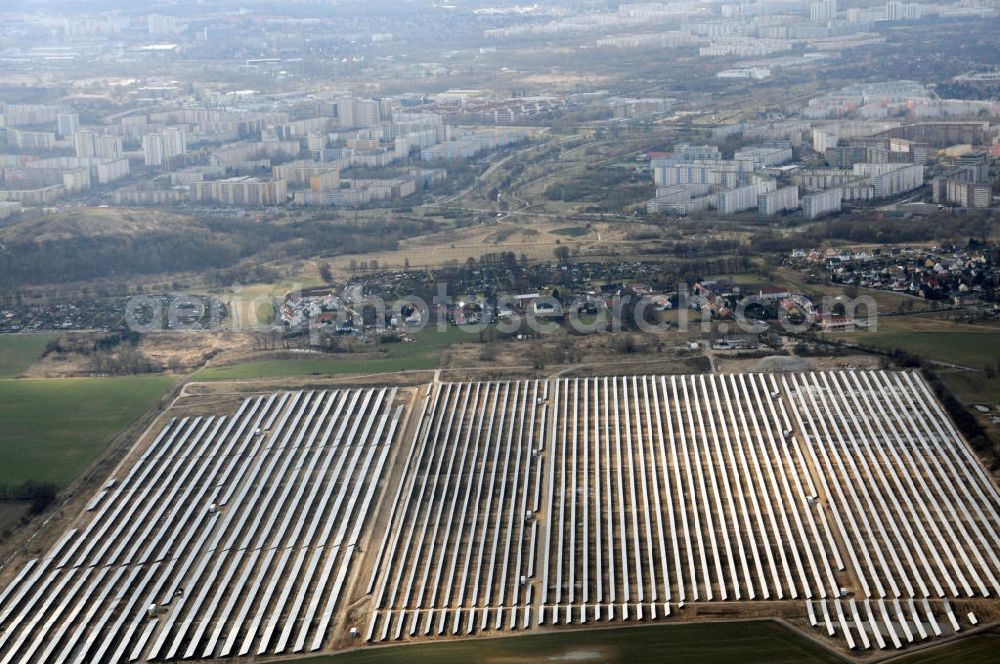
x: 652, y: 492
x: 229, y: 536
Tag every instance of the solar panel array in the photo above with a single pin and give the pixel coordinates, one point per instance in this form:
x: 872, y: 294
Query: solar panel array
x: 596, y: 499
x: 459, y: 540
x: 229, y: 536
x: 675, y: 489
x: 519, y: 504
x: 917, y: 515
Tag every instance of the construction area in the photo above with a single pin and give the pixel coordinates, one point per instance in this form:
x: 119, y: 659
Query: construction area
x: 843, y: 502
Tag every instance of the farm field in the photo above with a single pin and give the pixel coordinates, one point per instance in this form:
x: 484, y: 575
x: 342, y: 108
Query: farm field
x: 309, y: 367
x: 979, y: 648
x: 737, y: 643
x: 571, y: 231
x: 932, y: 337
x: 18, y: 351
x: 54, y: 429
x: 970, y: 349
x: 422, y: 354
x: 972, y: 387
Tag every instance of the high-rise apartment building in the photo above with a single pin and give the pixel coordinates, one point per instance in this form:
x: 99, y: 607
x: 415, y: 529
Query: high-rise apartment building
x: 67, y: 124
x: 85, y: 142
x: 160, y: 25
x: 109, y: 147
x: 823, y: 11
x: 824, y: 202
x: 174, y: 142
x: 159, y: 148
x: 152, y: 149
x: 786, y: 198
x: 241, y: 191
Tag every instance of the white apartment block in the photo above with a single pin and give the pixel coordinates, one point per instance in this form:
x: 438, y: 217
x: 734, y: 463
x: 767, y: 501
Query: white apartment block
x: 103, y: 171
x: 903, y: 11
x: 109, y: 147
x: 737, y: 200
x: 42, y: 196
x: 681, y: 199
x: 152, y: 149
x: 89, y: 144
x: 867, y: 170
x: 158, y: 148
x: 241, y: 191
x: 160, y: 25
x: 749, y: 73
x: 67, y: 124
x: 85, y: 143
x: 76, y: 180
x: 824, y: 178
x: 968, y: 194
x: 9, y: 209
x: 822, y: 140
x: 110, y: 170
x: 823, y: 11
x: 358, y: 112
x: 300, y: 173
x: 745, y: 47
x: 785, y: 130
x: 824, y: 202
x: 31, y: 140
x: 727, y: 173
x: 174, y: 141
x: 858, y: 190
x: 15, y: 115
x: 348, y: 198
x: 653, y: 40
x: 246, y: 152
x: 786, y: 198
x: 898, y: 181
x: 764, y: 156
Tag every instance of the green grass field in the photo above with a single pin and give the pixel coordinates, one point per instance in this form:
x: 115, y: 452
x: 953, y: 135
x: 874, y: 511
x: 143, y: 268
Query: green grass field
x: 53, y: 429
x: 971, y: 387
x: 571, y: 231
x: 18, y: 351
x: 422, y: 354
x: 971, y: 349
x: 739, y: 278
x: 979, y: 648
x: 743, y: 642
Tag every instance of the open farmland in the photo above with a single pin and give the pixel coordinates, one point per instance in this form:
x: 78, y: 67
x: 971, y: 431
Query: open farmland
x: 421, y: 354
x: 18, y: 351
x: 54, y: 429
x: 740, y: 642
x: 843, y: 502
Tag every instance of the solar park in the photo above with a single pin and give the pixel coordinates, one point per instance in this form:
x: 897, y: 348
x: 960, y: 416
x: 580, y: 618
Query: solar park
x: 314, y: 520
